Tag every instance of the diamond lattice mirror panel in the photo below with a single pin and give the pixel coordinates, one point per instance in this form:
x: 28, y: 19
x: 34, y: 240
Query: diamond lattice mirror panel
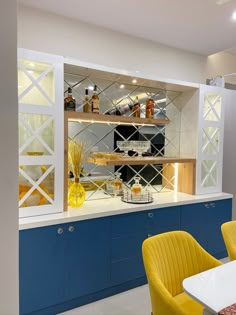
x: 111, y: 147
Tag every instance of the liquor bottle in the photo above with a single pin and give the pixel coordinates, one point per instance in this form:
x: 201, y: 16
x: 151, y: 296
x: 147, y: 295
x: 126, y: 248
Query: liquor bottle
x: 136, y: 108
x: 95, y: 101
x: 149, y: 108
x: 136, y: 189
x: 120, y: 110
x: 69, y: 101
x: 117, y: 185
x: 86, y: 104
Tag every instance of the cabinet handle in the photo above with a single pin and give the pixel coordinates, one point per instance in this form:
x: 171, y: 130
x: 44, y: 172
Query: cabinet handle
x: 60, y: 230
x: 207, y: 205
x: 212, y: 204
x: 71, y: 228
x: 150, y: 215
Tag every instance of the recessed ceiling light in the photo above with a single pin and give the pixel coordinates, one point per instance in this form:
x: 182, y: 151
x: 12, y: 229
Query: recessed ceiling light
x: 134, y: 81
x: 234, y: 16
x: 90, y: 88
x: 122, y: 86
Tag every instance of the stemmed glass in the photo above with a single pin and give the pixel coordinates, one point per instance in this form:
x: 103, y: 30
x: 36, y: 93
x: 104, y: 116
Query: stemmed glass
x: 141, y: 146
x: 124, y: 146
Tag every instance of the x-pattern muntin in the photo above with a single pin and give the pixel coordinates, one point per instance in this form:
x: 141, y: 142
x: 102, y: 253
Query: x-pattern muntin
x: 209, y: 172
x: 210, y: 139
x: 35, y: 82
x: 211, y: 106
x: 35, y: 134
x: 35, y: 185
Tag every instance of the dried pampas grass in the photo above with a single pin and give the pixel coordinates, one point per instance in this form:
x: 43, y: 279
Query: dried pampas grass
x: 76, y: 154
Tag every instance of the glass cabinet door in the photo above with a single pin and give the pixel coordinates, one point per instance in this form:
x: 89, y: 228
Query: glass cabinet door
x: 40, y: 96
x: 210, y: 140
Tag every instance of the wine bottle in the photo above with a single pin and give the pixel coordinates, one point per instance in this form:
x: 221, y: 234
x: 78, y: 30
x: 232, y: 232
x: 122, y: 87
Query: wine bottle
x: 86, y: 104
x: 120, y: 110
x: 69, y: 101
x: 95, y: 101
x: 149, y: 108
x: 136, y: 108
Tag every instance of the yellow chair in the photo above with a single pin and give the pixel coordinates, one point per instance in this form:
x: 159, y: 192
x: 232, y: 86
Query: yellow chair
x: 169, y: 258
x: 228, y: 230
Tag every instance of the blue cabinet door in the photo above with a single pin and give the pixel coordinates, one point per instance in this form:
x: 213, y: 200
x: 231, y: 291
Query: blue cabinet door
x: 195, y: 220
x: 128, y: 233
x: 204, y: 220
x: 41, y: 268
x: 87, y: 257
x: 218, y: 212
x: 163, y: 220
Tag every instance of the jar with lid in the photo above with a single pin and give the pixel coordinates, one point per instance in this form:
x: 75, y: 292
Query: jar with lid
x: 117, y: 185
x: 136, y: 189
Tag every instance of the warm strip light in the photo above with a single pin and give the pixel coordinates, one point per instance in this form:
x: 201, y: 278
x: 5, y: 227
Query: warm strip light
x: 93, y: 121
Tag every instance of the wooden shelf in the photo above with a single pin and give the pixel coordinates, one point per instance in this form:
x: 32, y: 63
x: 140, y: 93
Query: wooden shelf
x: 99, y: 118
x: 140, y: 160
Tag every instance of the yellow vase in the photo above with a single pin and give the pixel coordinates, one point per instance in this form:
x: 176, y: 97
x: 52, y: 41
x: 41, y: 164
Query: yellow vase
x: 76, y: 194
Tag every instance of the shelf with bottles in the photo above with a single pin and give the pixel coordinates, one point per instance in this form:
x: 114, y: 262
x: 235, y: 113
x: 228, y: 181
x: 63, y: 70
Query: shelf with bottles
x: 116, y: 102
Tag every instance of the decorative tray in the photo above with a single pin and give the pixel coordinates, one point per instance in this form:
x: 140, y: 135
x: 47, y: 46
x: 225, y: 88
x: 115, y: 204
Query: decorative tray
x: 145, y: 197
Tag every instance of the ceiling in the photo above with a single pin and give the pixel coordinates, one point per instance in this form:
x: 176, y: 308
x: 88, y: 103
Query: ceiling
x: 198, y: 26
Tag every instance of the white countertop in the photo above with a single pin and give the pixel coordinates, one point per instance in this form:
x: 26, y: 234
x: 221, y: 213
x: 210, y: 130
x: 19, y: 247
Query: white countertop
x: 114, y: 206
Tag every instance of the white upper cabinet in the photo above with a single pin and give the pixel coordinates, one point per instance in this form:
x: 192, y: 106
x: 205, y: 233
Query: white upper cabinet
x: 40, y: 97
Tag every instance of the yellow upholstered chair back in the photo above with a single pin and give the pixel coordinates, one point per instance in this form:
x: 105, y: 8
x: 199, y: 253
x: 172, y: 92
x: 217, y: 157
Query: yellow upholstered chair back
x: 169, y: 258
x: 229, y: 235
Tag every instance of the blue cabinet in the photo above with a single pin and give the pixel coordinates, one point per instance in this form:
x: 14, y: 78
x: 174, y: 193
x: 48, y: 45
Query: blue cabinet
x: 42, y: 268
x: 67, y: 265
x: 63, y: 262
x: 204, y: 220
x: 163, y: 220
x: 88, y: 257
x: 128, y: 232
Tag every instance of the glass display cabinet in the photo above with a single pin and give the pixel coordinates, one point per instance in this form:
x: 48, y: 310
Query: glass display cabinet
x: 210, y: 140
x: 40, y: 84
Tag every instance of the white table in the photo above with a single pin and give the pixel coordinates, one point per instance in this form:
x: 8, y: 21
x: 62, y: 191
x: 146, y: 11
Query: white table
x: 215, y: 289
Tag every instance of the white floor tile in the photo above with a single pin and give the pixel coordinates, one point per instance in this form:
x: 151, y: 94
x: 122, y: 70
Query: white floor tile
x: 132, y: 302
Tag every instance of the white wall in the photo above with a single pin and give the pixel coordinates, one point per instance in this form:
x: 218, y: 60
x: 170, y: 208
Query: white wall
x: 222, y: 63
x: 43, y: 31
x: 229, y: 155
x: 8, y: 160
